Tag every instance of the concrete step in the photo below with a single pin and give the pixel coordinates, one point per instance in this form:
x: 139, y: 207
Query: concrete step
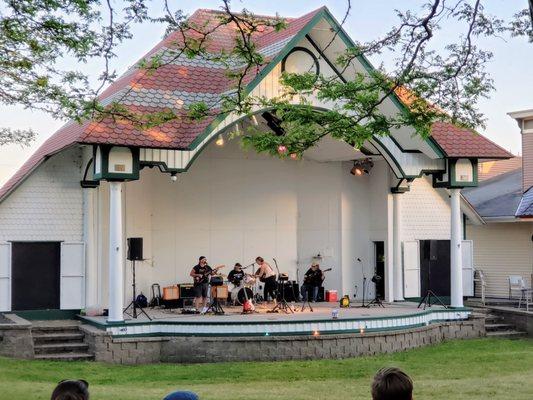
x: 499, y: 327
x: 68, y: 337
x: 65, y: 357
x: 59, y: 348
x: 507, y: 334
x: 54, y: 329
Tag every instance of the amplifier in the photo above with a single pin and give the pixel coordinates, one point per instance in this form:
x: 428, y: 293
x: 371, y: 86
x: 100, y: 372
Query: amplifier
x: 186, y: 290
x: 290, y: 289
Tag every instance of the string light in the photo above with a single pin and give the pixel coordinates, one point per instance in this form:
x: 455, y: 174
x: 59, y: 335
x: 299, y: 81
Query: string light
x: 316, y: 333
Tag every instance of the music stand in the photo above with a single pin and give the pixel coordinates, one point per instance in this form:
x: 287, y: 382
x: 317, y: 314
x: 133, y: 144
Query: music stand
x: 133, y: 304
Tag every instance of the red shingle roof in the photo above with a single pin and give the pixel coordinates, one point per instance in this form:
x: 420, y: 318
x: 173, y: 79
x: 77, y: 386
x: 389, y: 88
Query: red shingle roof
x: 181, y: 81
x: 462, y: 142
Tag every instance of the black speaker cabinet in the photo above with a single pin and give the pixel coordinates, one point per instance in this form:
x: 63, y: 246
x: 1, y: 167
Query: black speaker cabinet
x: 135, y: 249
x: 186, y: 291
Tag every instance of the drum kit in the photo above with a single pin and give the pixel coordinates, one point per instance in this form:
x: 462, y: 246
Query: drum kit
x: 246, y: 289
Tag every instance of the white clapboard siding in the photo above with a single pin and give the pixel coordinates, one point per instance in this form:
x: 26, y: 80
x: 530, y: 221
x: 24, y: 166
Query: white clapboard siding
x: 467, y: 250
x: 72, y: 275
x: 5, y: 276
x: 411, y: 268
x: 500, y: 250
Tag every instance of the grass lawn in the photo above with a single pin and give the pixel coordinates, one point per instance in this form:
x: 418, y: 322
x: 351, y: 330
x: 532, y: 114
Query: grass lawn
x: 471, y: 369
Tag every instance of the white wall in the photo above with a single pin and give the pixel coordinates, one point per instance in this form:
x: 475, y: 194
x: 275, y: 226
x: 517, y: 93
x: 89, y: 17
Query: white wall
x: 500, y: 250
x: 232, y: 206
x: 48, y: 204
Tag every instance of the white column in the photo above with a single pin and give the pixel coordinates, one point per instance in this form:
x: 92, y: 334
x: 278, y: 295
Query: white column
x: 397, y: 246
x: 389, y: 251
x: 116, y: 269
x: 89, y: 237
x: 456, y: 267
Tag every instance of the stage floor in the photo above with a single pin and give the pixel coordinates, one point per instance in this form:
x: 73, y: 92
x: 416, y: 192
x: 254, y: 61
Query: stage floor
x: 349, y: 320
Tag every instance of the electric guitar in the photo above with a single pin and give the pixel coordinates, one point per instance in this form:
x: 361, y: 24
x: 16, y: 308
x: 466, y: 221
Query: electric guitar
x: 307, y: 278
x: 203, y: 278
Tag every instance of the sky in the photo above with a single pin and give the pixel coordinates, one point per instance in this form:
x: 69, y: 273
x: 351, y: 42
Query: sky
x: 510, y: 67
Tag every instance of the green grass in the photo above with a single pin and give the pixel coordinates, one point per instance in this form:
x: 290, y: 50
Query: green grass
x: 466, y: 370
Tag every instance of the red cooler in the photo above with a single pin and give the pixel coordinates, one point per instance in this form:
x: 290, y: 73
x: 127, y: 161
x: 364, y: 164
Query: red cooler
x: 331, y: 296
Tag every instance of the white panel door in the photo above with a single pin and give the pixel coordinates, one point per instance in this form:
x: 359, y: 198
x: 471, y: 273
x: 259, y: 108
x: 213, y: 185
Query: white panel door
x: 467, y: 250
x: 411, y: 269
x: 72, y: 275
x: 5, y: 276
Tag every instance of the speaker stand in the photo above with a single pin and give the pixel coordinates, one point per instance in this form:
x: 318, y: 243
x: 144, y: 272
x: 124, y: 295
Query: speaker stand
x: 133, y: 304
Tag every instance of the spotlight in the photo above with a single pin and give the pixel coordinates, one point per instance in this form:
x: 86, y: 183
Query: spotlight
x: 361, y: 167
x: 220, y: 141
x: 173, y: 177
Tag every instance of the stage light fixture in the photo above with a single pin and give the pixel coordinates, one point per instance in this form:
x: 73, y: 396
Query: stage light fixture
x: 361, y: 167
x: 220, y: 141
x: 173, y: 177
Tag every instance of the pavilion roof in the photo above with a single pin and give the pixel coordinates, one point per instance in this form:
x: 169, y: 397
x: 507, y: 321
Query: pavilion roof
x: 182, y: 81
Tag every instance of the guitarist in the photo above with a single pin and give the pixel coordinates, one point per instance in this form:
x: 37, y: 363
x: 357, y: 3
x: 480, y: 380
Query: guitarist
x: 200, y: 273
x: 267, y: 275
x: 312, y: 281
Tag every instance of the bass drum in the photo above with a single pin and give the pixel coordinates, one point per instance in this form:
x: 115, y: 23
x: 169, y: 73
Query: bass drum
x: 238, y: 295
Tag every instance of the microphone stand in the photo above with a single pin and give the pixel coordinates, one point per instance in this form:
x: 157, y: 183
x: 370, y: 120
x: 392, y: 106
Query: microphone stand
x: 364, y: 281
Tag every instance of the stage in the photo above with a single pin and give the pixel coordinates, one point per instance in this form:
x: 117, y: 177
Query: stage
x: 354, y: 319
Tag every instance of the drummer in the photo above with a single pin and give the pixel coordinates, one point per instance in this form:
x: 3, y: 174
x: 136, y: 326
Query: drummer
x: 236, y: 275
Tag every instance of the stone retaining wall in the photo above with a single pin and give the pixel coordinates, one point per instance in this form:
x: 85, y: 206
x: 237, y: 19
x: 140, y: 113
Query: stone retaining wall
x: 138, y: 350
x: 521, y: 319
x: 15, y: 338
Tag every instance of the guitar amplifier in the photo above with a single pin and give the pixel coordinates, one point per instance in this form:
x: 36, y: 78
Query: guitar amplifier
x: 186, y: 290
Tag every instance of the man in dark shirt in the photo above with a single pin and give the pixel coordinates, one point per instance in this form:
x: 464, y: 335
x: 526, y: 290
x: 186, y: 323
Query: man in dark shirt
x: 200, y: 273
x: 312, y: 281
x: 236, y: 275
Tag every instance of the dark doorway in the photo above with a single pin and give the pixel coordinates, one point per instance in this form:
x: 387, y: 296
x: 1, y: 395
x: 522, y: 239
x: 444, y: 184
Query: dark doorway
x: 379, y: 257
x: 435, y: 267
x: 35, y: 275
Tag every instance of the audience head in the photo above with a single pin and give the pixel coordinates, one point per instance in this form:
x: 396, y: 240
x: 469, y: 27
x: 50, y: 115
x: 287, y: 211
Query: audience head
x: 179, y: 395
x: 392, y: 384
x: 71, y: 390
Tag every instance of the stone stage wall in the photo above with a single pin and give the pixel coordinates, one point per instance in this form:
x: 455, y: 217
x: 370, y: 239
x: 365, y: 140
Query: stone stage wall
x: 140, y: 350
x: 15, y: 337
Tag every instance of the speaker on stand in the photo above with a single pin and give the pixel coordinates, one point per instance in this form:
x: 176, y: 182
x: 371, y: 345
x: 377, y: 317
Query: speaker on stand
x: 135, y: 253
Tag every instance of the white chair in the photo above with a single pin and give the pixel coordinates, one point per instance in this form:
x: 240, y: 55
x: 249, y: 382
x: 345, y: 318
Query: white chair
x: 516, y: 283
x: 479, y: 277
x: 526, y: 298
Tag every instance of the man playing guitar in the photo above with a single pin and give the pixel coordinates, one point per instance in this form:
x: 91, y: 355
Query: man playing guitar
x: 200, y: 273
x: 312, y: 281
x: 267, y: 275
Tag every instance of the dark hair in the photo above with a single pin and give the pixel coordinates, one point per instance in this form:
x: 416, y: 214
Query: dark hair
x: 71, y: 390
x: 201, y: 258
x: 392, y: 384
x: 238, y: 265
x: 260, y: 259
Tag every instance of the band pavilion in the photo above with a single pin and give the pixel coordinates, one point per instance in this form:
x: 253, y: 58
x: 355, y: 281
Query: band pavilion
x: 188, y: 191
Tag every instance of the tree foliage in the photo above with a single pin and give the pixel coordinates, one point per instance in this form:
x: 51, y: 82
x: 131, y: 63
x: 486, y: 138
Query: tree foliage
x: 444, y: 79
